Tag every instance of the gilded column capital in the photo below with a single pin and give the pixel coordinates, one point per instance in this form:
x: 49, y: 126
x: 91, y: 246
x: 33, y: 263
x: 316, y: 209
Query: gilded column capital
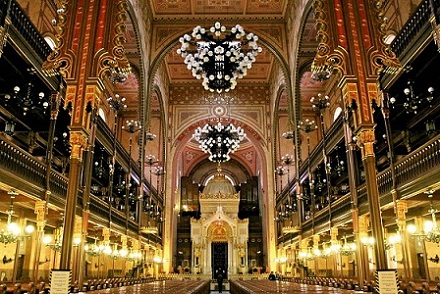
x: 365, y: 140
x: 124, y: 240
x: 316, y: 239
x: 106, y: 236
x: 78, y: 141
x: 364, y: 222
x: 304, y: 244
x: 401, y: 209
x: 334, y: 231
x: 40, y: 210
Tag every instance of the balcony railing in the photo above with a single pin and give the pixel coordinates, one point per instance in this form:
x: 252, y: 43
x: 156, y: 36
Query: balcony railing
x: 23, y: 25
x: 418, y: 24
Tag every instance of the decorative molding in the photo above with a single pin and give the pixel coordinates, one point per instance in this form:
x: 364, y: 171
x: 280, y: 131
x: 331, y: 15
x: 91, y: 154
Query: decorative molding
x: 58, y: 62
x: 366, y: 140
x: 4, y: 35
x: 327, y: 59
x: 384, y: 59
x: 219, y: 195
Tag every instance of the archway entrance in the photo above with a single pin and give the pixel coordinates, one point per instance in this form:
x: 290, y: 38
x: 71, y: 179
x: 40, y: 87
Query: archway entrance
x: 219, y: 258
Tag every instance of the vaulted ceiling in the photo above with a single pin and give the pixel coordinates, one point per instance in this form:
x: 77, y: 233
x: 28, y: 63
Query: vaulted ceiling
x: 186, y: 93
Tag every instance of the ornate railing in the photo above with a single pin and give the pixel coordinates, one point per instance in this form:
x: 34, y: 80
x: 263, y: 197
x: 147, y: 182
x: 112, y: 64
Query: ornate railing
x: 21, y: 22
x: 417, y: 23
x: 419, y: 162
x: 23, y: 166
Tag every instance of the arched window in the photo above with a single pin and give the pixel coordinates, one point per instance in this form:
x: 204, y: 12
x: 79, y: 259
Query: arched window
x: 50, y: 41
x: 101, y: 114
x: 338, y: 112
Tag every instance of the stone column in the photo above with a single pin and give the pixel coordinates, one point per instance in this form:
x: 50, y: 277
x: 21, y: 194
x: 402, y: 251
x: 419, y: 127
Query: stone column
x: 124, y: 261
x: 363, y: 250
x: 303, y: 249
x: 401, y: 210
x: 103, y: 257
x: 77, y: 266
x: 335, y: 244
x: 316, y: 239
x: 366, y: 141
x: 40, y: 211
x: 77, y: 141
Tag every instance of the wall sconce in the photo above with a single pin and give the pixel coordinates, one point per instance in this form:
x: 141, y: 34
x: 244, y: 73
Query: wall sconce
x: 435, y: 259
x: 8, y: 260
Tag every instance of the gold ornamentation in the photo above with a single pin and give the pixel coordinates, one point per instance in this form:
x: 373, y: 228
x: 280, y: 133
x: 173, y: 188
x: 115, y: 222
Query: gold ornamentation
x: 40, y: 211
x: 117, y: 63
x: 57, y: 62
x: 220, y: 196
x: 435, y: 32
x: 327, y: 60
x: 401, y: 209
x: 4, y: 35
x: 365, y: 141
x: 384, y: 59
x: 78, y: 141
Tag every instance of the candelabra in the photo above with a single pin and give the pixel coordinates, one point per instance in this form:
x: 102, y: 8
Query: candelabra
x: 131, y: 127
x: 117, y: 104
x: 319, y: 104
x: 308, y: 126
x: 288, y: 160
x: 100, y: 169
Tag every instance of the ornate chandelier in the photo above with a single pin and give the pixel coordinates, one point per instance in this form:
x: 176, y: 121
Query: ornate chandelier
x: 11, y: 232
x: 433, y: 231
x: 218, y: 56
x: 347, y: 248
x: 219, y: 140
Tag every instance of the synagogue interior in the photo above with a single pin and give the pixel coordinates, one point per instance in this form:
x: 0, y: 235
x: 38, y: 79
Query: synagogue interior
x: 183, y: 139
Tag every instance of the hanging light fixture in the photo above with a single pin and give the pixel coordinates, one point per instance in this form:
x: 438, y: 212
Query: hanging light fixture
x: 11, y: 232
x: 218, y: 56
x: 432, y: 230
x: 347, y: 248
x: 219, y: 140
x: 27, y: 100
x: 94, y: 249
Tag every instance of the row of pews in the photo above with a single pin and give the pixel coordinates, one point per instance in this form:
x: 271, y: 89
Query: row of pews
x: 98, y: 284
x: 163, y: 287
x: 266, y: 286
x: 342, y: 283
x: 118, y: 285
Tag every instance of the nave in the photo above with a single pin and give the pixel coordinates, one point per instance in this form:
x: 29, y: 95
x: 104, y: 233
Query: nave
x: 237, y: 287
